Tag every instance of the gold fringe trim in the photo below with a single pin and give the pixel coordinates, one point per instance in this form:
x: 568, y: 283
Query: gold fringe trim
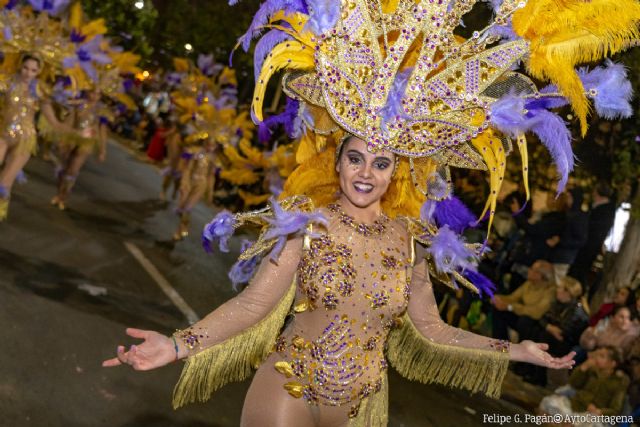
x: 417, y: 358
x: 374, y: 410
x: 231, y: 360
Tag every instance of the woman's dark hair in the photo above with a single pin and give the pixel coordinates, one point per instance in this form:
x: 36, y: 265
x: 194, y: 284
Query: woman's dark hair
x: 624, y: 307
x: 28, y: 57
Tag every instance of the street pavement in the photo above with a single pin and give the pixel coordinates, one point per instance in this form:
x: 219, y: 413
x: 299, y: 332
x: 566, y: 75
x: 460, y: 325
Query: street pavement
x: 69, y: 287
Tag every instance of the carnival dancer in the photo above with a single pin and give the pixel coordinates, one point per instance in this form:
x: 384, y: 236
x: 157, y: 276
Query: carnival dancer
x: 197, y: 179
x: 18, y: 140
x: 89, y: 136
x: 392, y: 100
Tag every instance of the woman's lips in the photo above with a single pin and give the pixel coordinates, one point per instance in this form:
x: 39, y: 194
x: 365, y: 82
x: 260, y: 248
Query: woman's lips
x: 362, y: 187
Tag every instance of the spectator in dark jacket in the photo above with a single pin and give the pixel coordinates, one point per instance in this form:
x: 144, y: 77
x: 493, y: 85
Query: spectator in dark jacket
x: 566, y: 245
x: 560, y: 327
x: 601, y: 218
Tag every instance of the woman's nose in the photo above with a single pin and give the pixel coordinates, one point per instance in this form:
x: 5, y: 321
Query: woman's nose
x: 365, y: 170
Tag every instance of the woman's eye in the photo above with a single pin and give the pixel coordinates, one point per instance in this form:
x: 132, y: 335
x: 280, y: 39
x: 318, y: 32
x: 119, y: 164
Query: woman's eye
x: 354, y: 160
x: 381, y: 165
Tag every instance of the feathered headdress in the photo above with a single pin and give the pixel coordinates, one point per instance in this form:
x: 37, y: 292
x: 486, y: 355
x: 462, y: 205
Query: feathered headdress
x: 394, y: 74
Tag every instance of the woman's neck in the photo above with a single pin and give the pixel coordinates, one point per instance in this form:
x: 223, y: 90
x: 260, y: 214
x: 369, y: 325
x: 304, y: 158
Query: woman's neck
x: 366, y: 215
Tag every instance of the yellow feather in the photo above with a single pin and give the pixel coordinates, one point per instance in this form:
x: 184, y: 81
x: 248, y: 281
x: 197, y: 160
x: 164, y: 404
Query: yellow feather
x: 251, y: 199
x: 493, y: 153
x: 94, y: 28
x: 566, y: 33
x: 181, y: 65
x: 75, y: 15
x: 240, y: 176
x: 286, y: 55
x: 524, y: 156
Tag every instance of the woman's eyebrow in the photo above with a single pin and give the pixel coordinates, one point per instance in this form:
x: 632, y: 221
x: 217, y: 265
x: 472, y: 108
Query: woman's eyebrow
x: 352, y: 151
x: 383, y: 158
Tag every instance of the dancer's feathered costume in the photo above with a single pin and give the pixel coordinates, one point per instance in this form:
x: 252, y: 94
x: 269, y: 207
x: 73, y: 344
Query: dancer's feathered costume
x: 394, y: 74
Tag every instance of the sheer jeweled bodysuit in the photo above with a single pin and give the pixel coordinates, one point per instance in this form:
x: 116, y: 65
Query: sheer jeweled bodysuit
x: 351, y: 289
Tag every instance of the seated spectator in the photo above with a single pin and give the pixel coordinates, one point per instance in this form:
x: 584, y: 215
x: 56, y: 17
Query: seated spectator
x: 527, y: 304
x: 560, y: 327
x: 623, y: 297
x: 597, y: 387
x: 618, y: 331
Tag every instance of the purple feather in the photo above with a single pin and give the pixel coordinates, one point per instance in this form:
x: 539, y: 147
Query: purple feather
x: 21, y: 177
x: 323, y: 16
x: 264, y: 133
x: 4, y: 193
x: 288, y: 118
x: 512, y: 117
x: 393, y: 108
x: 264, y: 46
x: 219, y: 230
x: 268, y: 9
x: 485, y: 286
x: 612, y: 88
x: 449, y: 252
x: 243, y: 270
x: 285, y: 223
x: 505, y: 32
x: 451, y: 212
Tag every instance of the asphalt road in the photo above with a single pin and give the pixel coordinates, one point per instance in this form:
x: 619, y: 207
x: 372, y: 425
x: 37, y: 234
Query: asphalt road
x: 69, y: 286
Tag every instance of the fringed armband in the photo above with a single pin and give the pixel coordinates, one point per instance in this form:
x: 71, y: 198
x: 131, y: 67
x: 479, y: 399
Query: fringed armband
x: 417, y: 358
x: 233, y: 359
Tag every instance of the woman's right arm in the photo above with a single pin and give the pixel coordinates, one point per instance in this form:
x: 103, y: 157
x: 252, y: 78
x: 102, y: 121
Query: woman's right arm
x: 271, y: 284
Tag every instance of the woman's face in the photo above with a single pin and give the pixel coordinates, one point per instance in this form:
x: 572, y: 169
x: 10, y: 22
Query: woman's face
x: 622, y: 319
x: 364, y: 177
x: 30, y: 69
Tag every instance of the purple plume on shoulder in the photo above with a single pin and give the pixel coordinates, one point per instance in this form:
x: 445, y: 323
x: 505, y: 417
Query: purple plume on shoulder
x: 243, y: 270
x: 323, y: 15
x: 449, y: 253
x: 265, y: 45
x: 285, y: 223
x: 485, y: 286
x: 451, y: 212
x: 612, y: 91
x: 219, y: 230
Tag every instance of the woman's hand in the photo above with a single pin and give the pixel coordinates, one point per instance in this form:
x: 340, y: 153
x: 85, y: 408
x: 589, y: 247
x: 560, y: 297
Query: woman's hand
x: 532, y: 352
x: 157, y: 350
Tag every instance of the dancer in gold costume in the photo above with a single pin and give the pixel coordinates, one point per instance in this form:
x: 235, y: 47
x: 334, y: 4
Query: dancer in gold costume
x: 89, y: 136
x: 18, y: 138
x: 392, y: 99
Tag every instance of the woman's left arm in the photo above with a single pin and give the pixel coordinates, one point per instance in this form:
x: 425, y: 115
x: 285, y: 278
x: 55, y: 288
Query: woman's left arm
x: 423, y: 312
